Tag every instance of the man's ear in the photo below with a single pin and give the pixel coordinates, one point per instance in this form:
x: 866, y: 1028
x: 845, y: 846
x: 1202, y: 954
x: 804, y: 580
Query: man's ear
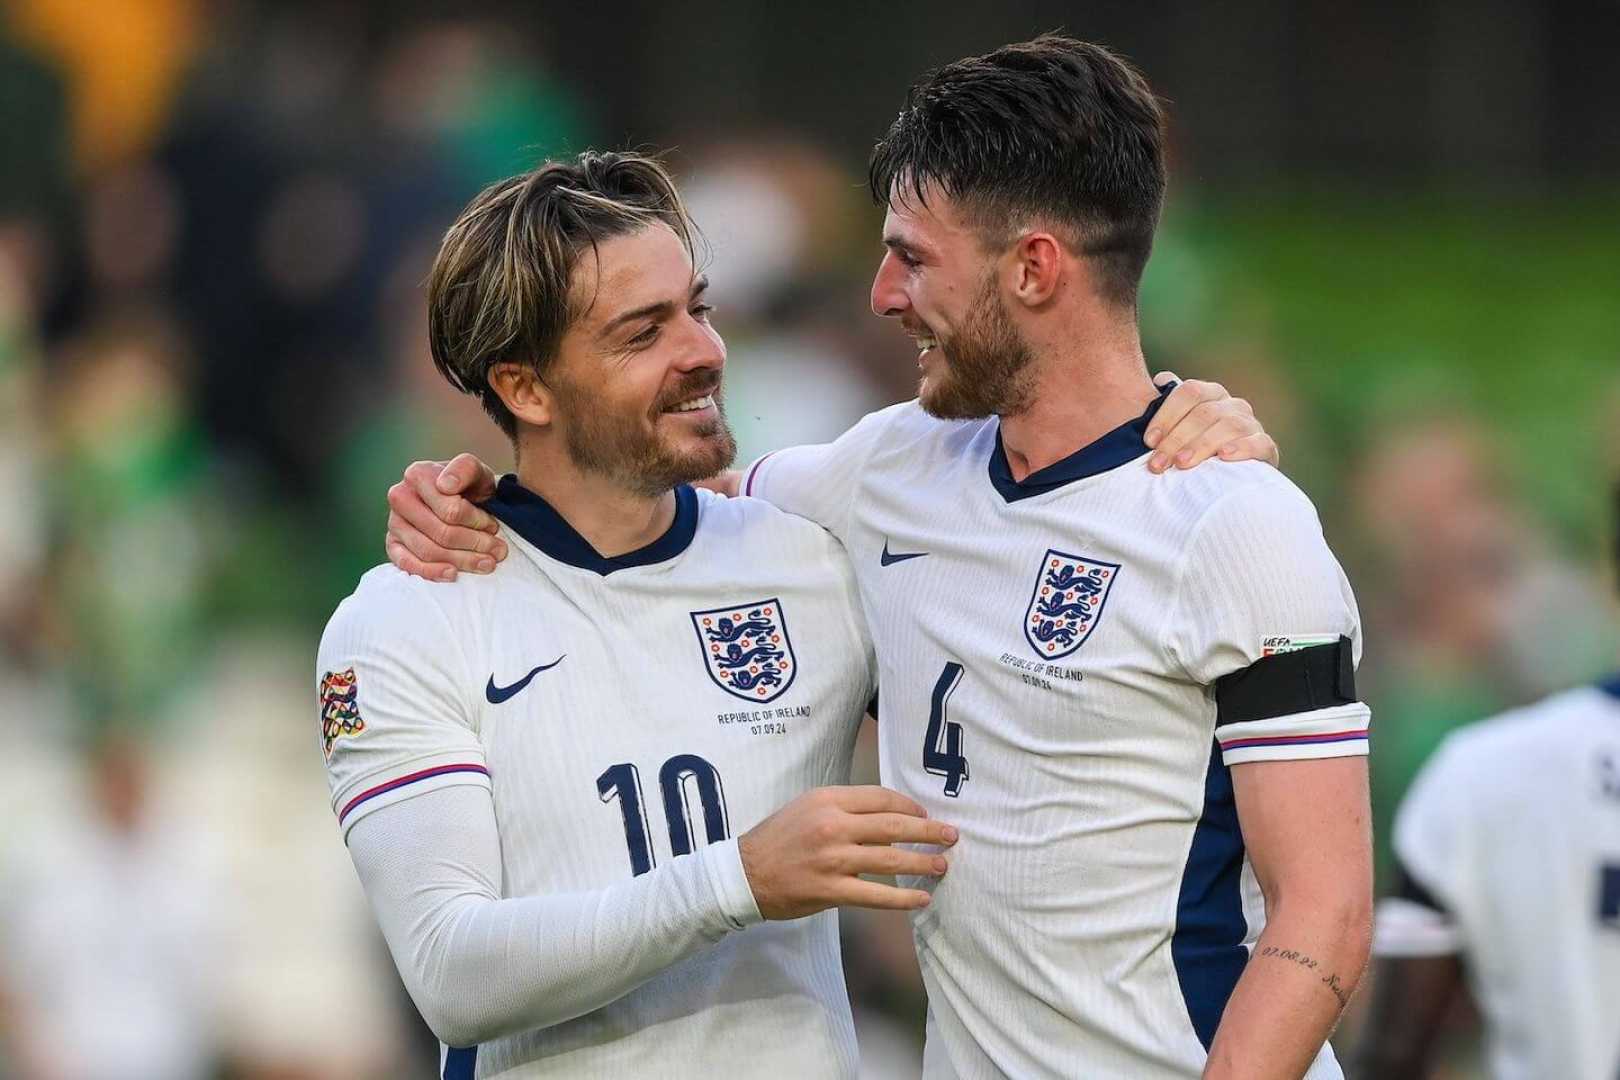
x: 1037, y: 268
x: 521, y: 391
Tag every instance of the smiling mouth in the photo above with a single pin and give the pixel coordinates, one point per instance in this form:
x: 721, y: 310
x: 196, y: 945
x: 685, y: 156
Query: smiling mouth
x: 697, y: 404
x: 925, y: 341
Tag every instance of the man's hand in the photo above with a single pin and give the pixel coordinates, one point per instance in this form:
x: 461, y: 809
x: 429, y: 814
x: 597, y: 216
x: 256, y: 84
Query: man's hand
x: 434, y: 528
x: 807, y: 856
x: 1201, y: 420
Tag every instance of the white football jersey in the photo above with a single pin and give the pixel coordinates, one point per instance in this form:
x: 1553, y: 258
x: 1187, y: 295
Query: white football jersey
x: 1048, y: 652
x: 1512, y: 834
x: 623, y: 713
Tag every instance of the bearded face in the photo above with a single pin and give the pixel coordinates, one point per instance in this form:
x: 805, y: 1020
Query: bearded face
x: 684, y: 437
x: 982, y: 367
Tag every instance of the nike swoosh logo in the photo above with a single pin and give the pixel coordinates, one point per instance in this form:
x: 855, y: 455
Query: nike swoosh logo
x: 889, y: 560
x: 497, y: 694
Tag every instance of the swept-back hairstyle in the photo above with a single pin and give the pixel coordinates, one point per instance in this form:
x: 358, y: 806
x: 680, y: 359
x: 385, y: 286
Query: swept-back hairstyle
x: 501, y: 286
x: 1051, y: 131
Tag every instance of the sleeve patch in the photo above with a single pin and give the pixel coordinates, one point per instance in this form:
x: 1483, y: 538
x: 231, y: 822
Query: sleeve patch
x: 1273, y: 644
x: 340, y: 708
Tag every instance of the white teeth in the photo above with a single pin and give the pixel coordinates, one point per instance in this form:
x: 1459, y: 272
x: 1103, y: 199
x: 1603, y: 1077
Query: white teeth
x: 694, y: 405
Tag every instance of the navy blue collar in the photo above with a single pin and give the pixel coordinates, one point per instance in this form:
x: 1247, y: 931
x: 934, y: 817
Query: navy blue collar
x: 532, y: 518
x: 1611, y: 685
x: 1110, y: 451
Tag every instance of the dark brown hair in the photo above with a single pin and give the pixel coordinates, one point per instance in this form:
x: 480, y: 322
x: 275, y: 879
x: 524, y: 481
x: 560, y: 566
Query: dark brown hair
x: 1052, y: 130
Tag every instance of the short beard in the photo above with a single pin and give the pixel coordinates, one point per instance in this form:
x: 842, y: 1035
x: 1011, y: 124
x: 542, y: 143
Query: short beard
x: 986, y: 365
x: 622, y: 449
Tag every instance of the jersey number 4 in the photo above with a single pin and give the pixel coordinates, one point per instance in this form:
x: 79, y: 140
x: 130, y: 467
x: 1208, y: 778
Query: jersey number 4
x: 942, y: 744
x: 682, y: 777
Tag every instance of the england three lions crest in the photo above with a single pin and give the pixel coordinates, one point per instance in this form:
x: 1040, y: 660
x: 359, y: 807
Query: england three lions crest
x: 746, y: 649
x: 1070, y: 591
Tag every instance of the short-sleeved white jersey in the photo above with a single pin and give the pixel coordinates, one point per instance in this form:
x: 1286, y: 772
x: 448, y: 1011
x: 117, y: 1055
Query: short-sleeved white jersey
x: 623, y: 713
x: 1047, y: 657
x: 1511, y: 834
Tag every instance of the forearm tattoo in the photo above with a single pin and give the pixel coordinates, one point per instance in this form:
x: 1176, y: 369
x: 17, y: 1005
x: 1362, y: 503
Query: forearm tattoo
x: 1329, y: 980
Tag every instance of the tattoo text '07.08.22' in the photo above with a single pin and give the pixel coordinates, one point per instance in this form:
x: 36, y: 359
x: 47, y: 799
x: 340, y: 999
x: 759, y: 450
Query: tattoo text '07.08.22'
x: 1330, y: 980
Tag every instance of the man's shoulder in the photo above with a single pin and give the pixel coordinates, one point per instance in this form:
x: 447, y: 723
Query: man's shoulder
x: 1226, y: 495
x: 1540, y: 731
x: 388, y: 603
x: 742, y: 523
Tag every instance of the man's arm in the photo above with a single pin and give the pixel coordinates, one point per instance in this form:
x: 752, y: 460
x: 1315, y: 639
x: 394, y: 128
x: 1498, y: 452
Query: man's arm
x: 411, y: 788
x: 1306, y: 827
x: 435, y: 529
x: 480, y: 965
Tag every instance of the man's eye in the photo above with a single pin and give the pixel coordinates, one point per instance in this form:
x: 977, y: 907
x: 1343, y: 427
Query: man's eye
x: 646, y: 337
x: 907, y: 260
x: 701, y: 312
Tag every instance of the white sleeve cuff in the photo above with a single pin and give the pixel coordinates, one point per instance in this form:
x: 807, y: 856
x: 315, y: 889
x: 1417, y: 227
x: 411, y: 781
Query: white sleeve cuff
x: 723, y: 864
x: 1406, y: 928
x: 1337, y: 731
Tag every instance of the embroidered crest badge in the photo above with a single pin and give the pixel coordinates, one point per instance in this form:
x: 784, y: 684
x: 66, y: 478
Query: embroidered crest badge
x: 746, y: 649
x: 1067, y: 601
x: 340, y: 708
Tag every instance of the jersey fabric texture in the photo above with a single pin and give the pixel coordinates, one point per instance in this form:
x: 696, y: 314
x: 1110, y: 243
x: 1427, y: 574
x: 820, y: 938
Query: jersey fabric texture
x: 1512, y: 834
x: 1048, y: 652
x: 628, y: 718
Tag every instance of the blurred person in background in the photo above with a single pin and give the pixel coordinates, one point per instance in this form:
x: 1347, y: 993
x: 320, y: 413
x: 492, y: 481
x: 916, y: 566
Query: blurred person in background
x: 1508, y: 851
x: 109, y: 945
x: 1478, y: 610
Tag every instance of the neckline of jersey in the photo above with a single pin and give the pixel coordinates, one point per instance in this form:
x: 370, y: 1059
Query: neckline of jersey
x: 1611, y: 686
x: 538, y: 522
x: 1110, y: 451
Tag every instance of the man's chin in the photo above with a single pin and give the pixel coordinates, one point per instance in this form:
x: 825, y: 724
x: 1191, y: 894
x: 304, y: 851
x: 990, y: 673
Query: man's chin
x: 942, y: 400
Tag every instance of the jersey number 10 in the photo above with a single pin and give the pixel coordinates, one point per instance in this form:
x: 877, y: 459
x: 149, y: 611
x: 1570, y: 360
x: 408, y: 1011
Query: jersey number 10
x: 681, y: 777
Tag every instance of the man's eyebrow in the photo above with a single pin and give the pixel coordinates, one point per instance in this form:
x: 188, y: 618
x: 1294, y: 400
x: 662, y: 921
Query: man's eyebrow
x: 661, y: 309
x: 899, y: 244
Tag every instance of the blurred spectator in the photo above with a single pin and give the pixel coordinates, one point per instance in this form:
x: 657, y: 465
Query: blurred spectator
x: 1472, y: 611
x: 109, y: 945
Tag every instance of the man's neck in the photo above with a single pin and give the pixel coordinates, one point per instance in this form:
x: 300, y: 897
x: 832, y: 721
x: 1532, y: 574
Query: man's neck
x: 612, y: 520
x: 1079, y: 396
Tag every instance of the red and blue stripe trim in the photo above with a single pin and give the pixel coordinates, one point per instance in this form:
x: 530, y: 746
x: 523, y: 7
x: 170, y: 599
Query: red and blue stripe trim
x: 409, y: 778
x: 748, y: 484
x: 1295, y: 740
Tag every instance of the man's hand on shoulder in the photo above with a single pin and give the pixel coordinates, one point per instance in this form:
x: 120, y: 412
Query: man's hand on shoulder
x: 435, y: 527
x: 1201, y: 420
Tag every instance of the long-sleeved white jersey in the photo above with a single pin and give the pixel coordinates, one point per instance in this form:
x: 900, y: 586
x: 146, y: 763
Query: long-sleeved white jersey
x: 617, y: 723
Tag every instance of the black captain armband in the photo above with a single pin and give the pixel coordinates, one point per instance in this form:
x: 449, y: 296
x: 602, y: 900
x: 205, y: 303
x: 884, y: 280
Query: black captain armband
x: 1315, y: 677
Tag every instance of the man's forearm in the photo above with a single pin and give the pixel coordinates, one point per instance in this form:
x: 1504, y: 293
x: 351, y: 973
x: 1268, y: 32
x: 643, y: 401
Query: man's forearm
x: 1297, y: 982
x: 479, y: 965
